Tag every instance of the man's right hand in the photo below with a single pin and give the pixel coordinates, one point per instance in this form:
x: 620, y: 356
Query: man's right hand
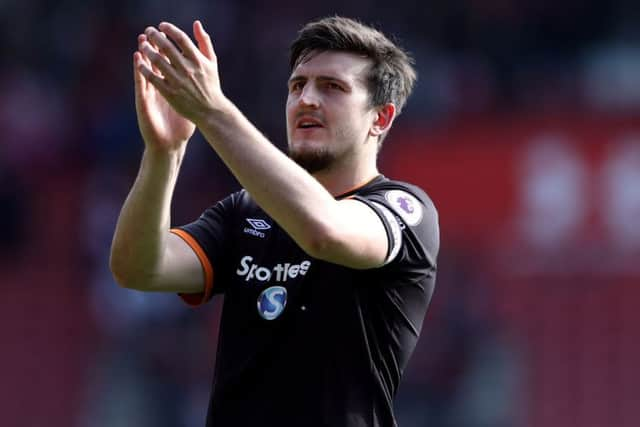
x: 161, y: 127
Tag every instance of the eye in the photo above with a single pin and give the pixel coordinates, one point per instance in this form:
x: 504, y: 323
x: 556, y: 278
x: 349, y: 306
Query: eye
x: 296, y: 86
x: 335, y: 86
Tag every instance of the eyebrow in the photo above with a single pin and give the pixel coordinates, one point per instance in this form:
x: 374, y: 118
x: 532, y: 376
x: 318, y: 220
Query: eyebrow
x: 295, y: 79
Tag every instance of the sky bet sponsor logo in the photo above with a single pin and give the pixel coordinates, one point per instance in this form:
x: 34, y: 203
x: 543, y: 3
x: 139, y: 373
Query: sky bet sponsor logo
x: 271, y: 302
x: 279, y: 273
x: 256, y: 226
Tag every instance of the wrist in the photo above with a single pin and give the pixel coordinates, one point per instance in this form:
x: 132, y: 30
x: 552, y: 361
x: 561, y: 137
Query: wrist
x: 158, y: 152
x: 164, y: 158
x: 208, y: 117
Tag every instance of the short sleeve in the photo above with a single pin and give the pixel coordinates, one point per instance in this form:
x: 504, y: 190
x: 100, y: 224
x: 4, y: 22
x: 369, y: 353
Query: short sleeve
x: 208, y: 237
x: 411, y: 221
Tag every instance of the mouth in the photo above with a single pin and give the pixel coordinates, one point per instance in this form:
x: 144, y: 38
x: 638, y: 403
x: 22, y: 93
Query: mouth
x: 307, y: 122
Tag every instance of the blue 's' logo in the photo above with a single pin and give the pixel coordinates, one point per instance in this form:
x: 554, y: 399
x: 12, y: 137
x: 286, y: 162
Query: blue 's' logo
x: 271, y: 302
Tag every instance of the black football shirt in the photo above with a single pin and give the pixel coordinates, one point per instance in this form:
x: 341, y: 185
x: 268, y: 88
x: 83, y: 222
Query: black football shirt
x: 304, y: 342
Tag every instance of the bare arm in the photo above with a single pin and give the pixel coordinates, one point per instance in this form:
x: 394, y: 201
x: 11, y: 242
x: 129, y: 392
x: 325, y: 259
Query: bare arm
x: 344, y: 232
x: 144, y: 254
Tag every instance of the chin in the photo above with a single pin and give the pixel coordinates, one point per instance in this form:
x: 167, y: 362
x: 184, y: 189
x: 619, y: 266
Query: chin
x: 311, y: 159
x: 301, y: 143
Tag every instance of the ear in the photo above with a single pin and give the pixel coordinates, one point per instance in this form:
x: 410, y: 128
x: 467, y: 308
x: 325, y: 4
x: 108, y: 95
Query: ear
x: 383, y: 119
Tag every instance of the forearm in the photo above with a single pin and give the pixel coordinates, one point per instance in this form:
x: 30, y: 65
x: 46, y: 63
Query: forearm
x: 291, y: 196
x: 345, y: 232
x: 140, y: 237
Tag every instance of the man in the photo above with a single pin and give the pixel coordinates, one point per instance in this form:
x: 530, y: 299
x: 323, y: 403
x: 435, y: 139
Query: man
x: 327, y: 272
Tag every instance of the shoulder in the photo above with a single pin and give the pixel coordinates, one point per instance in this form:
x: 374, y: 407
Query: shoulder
x: 408, y: 208
x: 225, y: 210
x: 238, y: 200
x: 407, y: 200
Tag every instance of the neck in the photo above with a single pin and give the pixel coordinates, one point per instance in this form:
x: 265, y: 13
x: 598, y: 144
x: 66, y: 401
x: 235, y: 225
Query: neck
x: 338, y: 181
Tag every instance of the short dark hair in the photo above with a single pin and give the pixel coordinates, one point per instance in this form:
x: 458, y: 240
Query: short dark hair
x: 391, y: 76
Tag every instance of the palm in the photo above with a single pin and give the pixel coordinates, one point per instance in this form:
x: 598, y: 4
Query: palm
x: 159, y: 124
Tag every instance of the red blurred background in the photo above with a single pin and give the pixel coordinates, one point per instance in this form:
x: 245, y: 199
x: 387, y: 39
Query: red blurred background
x: 524, y: 129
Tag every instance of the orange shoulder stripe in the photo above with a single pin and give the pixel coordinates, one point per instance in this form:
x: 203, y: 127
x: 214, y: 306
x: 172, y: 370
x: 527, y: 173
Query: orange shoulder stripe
x: 202, y: 297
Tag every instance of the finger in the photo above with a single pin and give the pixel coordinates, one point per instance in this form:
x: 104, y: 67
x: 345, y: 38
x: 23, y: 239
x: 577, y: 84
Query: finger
x: 142, y: 59
x: 151, y: 66
x: 154, y: 45
x: 156, y: 80
x: 160, y: 62
x: 204, y: 41
x: 164, y: 46
x: 138, y: 78
x: 180, y: 38
x: 142, y: 38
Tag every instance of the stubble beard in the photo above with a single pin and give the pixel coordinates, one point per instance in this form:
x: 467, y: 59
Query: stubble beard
x: 323, y: 158
x: 313, y: 160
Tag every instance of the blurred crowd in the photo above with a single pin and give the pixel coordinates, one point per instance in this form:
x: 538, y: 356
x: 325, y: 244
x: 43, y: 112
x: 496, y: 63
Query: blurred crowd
x: 70, y: 150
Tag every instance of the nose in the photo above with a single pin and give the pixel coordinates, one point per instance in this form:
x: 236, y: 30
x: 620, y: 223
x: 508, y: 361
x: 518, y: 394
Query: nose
x: 309, y: 97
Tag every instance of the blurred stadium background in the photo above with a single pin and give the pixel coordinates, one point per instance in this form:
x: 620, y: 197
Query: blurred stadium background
x: 524, y: 129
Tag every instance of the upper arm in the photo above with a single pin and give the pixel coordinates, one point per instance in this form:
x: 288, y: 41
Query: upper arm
x: 374, y: 230
x: 194, y: 250
x: 358, y: 236
x: 182, y: 269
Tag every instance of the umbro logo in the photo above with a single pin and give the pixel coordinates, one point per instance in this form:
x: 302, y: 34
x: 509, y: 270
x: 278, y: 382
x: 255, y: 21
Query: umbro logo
x: 256, y: 226
x: 259, y: 224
